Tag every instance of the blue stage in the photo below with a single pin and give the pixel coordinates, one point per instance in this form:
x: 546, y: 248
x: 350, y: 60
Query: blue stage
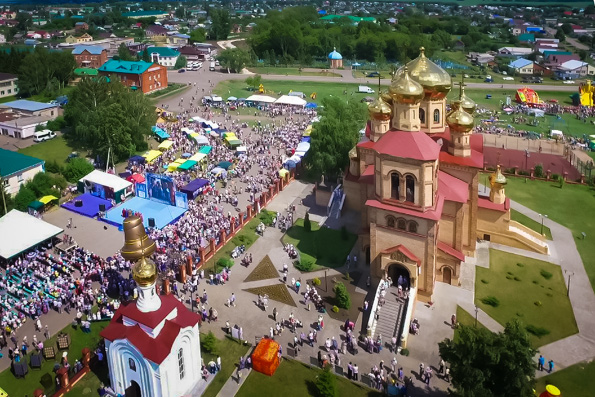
x: 90, y: 205
x: 162, y: 213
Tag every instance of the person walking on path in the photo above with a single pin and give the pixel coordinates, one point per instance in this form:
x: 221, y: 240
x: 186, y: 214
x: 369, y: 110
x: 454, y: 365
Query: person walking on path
x: 393, y: 365
x: 441, y: 367
x: 275, y: 314
x: 550, y: 365
x: 46, y: 333
x: 355, y: 372
x: 540, y: 363
x: 232, y: 300
x: 218, y: 363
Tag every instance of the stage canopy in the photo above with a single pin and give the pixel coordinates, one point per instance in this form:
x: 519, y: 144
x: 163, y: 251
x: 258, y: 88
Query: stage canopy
x: 105, y: 179
x: 193, y: 189
x: 260, y: 98
x: 20, y: 231
x: 290, y: 100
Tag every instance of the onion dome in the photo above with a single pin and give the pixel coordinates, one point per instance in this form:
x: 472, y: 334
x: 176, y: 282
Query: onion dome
x: 144, y: 272
x: 435, y: 80
x: 379, y: 109
x: 467, y: 103
x: 403, y: 89
x: 497, y: 179
x: 387, y: 98
x: 459, y: 120
x: 335, y: 55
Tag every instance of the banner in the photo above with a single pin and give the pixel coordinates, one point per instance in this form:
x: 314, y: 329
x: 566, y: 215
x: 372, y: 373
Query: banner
x: 181, y: 200
x: 161, y: 188
x: 141, y: 190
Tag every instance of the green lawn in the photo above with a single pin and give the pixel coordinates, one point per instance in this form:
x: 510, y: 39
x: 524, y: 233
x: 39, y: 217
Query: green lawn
x: 530, y: 223
x: 264, y: 70
x: 239, y: 89
x: 295, y: 379
x: 577, y: 380
x: 324, y: 246
x: 79, y: 340
x: 56, y: 149
x: 524, y: 293
x: 230, y: 352
x: 465, y: 318
x: 572, y: 206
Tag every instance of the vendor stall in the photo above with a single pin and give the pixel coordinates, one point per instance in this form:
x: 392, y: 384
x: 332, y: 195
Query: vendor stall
x: 104, y: 185
x: 165, y: 145
x: 160, y: 133
x: 187, y: 165
x: 151, y: 155
x: 195, y: 188
x: 205, y: 149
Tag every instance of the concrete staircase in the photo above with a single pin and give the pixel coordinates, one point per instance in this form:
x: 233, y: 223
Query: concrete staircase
x: 391, y: 316
x: 528, y: 236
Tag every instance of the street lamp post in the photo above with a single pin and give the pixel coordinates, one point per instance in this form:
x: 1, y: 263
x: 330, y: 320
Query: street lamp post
x: 570, y: 274
x: 542, y: 216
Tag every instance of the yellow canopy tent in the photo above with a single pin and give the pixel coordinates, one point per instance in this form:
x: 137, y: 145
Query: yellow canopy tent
x: 283, y: 172
x: 198, y: 157
x: 48, y: 199
x: 165, y: 144
x: 174, y: 166
x: 308, y: 130
x: 152, y: 155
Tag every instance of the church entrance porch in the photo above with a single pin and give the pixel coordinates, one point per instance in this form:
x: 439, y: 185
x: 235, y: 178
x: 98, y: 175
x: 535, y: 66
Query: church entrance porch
x: 447, y: 275
x: 399, y: 275
x: 133, y: 390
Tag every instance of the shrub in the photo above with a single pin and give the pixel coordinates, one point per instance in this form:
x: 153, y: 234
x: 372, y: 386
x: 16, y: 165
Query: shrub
x: 545, y: 274
x: 520, y: 265
x: 209, y: 343
x: 326, y: 383
x: 56, y: 125
x: 537, y: 303
x: 344, y: 234
x: 561, y: 183
x: 405, y: 352
x: 549, y: 294
x: 266, y: 217
x: 347, y: 277
x: 508, y: 276
x: 538, y: 171
x: 342, y: 296
x: 524, y: 173
x: 491, y: 301
x: 244, y: 239
x: 335, y: 309
x: 537, y: 331
x: 77, y: 168
x: 53, y: 167
x: 307, y: 223
x: 516, y: 278
x: 510, y: 273
x: 316, y: 282
x: 535, y: 282
x: 555, y: 177
x: 483, y: 280
x: 519, y: 314
x: 224, y: 262
x: 305, y: 265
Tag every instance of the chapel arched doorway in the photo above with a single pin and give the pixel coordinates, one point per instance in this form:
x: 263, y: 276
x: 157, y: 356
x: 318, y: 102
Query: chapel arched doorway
x: 399, y: 275
x: 446, y: 275
x: 133, y: 390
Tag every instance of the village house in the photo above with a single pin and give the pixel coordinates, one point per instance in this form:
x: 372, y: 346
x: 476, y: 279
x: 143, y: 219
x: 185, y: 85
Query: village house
x: 146, y: 76
x: 89, y: 56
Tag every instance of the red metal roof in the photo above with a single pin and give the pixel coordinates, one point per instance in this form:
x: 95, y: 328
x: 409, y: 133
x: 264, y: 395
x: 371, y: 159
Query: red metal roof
x: 432, y: 214
x: 366, y: 144
x: 453, y: 188
x: 401, y: 248
x: 476, y: 158
x: 407, y: 144
x: 484, y: 202
x: 368, y: 175
x: 158, y: 348
x: 447, y: 249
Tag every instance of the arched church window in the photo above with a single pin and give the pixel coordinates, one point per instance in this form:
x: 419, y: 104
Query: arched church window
x: 422, y: 115
x: 410, y: 188
x: 132, y: 364
x: 395, y: 187
x: 390, y: 221
x: 436, y: 116
x: 401, y: 224
x: 181, y: 363
x: 412, y: 227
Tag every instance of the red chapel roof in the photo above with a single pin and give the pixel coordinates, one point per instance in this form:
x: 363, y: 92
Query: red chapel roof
x: 406, y: 144
x: 432, y: 214
x: 447, y: 249
x: 402, y: 249
x: 453, y: 188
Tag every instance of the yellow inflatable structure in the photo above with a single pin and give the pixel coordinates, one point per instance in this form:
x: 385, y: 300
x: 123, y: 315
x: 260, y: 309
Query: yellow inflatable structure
x: 586, y: 92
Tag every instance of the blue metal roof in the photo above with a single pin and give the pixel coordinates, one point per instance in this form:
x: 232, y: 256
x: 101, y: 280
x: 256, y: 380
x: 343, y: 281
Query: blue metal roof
x: 31, y: 106
x: 520, y: 63
x: 335, y: 55
x: 92, y: 49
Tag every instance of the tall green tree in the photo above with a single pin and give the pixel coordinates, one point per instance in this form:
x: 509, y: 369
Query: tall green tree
x: 145, y: 56
x: 234, y: 59
x: 43, y: 70
x: 221, y: 24
x: 180, y: 62
x: 335, y: 135
x: 124, y: 53
x: 326, y: 384
x: 483, y: 363
x: 198, y: 35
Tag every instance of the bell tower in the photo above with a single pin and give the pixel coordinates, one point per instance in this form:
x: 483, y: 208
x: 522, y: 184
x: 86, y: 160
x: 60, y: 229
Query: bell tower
x: 406, y: 95
x: 380, y: 114
x: 460, y: 121
x: 497, y: 183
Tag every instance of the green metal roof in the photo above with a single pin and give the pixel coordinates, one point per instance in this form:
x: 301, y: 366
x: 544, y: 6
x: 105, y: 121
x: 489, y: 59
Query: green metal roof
x: 148, y: 13
x: 163, y: 51
x: 85, y: 72
x: 354, y: 19
x: 132, y: 67
x: 547, y: 53
x: 12, y: 162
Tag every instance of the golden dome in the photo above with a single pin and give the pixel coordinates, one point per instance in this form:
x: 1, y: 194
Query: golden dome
x: 386, y: 98
x: 144, y: 272
x: 136, y: 242
x: 404, y: 89
x: 467, y: 103
x: 435, y: 80
x: 459, y: 120
x: 379, y: 109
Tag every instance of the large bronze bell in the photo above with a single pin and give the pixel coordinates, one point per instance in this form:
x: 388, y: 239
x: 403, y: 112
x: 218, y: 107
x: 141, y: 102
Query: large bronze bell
x: 137, y: 244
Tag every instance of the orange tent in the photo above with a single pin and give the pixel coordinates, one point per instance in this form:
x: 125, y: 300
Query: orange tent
x: 265, y: 358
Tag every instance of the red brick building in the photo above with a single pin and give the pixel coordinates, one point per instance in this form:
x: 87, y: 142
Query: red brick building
x: 89, y: 56
x: 146, y: 76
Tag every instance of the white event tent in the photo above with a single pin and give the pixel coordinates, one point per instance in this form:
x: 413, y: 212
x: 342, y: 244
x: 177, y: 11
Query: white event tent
x: 20, y: 231
x: 260, y: 98
x: 290, y: 100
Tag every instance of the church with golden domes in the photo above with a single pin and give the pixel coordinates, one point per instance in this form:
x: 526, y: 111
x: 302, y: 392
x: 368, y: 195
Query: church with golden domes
x: 414, y: 178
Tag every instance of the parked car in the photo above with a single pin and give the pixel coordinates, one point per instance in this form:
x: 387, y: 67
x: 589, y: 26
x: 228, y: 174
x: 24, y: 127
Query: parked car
x: 71, y: 156
x: 181, y: 70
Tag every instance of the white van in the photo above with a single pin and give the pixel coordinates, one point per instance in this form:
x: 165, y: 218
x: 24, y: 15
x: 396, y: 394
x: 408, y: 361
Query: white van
x: 44, y: 135
x: 365, y: 89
